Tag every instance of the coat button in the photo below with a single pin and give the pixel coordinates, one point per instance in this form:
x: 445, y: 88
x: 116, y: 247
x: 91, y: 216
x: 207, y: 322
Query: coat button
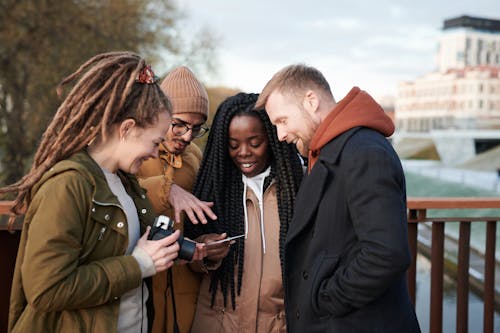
x: 120, y: 224
x: 107, y: 217
x: 297, y: 314
x: 93, y: 209
x: 305, y: 275
x: 143, y: 196
x: 144, y: 211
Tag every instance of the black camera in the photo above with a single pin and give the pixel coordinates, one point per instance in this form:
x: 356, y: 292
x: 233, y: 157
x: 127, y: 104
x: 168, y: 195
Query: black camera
x: 164, y: 227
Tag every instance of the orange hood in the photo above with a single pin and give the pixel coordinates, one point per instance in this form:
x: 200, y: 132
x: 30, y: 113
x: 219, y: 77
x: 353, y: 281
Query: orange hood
x: 358, y: 108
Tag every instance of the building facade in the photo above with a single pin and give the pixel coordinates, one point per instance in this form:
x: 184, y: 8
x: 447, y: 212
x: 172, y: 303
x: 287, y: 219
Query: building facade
x: 467, y: 41
x: 464, y: 93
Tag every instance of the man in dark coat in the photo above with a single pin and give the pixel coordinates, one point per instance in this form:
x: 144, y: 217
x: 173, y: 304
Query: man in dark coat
x: 346, y: 251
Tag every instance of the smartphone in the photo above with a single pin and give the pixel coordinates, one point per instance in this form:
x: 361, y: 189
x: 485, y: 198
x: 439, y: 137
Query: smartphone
x: 228, y: 239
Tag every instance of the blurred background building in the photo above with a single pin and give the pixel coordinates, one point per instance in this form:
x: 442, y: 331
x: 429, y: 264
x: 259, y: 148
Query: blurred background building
x: 464, y: 91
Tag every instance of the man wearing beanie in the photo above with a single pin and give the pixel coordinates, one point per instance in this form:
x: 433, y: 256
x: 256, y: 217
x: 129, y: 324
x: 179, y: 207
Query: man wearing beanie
x: 169, y: 180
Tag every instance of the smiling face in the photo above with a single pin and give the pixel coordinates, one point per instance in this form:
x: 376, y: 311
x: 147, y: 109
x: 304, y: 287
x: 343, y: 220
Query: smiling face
x: 293, y: 121
x: 176, y: 144
x: 140, y: 144
x: 249, y: 145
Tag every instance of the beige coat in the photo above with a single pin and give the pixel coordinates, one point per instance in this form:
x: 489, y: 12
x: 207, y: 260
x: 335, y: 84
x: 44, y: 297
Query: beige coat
x: 260, y: 306
x: 156, y: 176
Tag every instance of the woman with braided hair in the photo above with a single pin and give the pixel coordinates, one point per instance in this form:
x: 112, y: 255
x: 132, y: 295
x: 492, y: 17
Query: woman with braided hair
x: 252, y: 179
x: 82, y: 261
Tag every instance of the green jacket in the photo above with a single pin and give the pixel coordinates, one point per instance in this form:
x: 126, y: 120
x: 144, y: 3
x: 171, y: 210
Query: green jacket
x: 71, y: 269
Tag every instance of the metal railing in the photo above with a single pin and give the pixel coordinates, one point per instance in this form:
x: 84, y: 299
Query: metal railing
x: 418, y: 213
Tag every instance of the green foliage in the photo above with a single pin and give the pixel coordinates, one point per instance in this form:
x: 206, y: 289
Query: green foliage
x: 423, y: 186
x: 43, y: 41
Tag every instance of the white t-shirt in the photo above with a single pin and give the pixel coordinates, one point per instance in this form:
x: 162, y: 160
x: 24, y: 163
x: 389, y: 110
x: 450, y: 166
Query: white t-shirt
x: 131, y: 312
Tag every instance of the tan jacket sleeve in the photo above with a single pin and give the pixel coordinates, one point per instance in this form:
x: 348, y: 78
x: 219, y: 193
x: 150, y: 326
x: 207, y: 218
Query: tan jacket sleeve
x: 158, y: 190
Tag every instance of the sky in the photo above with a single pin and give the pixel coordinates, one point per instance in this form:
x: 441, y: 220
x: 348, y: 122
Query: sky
x: 370, y: 44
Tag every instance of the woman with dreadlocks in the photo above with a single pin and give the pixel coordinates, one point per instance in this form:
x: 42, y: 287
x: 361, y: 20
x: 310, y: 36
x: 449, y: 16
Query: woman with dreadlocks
x: 252, y: 179
x: 81, y: 260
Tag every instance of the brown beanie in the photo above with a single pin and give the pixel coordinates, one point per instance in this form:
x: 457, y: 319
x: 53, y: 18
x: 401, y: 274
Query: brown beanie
x: 185, y: 92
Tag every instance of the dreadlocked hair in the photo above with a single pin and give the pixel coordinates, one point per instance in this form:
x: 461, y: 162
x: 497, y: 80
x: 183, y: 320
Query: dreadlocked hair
x: 105, y: 93
x: 219, y: 181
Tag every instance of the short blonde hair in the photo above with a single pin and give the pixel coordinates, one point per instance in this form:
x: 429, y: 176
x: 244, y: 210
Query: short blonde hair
x: 294, y: 80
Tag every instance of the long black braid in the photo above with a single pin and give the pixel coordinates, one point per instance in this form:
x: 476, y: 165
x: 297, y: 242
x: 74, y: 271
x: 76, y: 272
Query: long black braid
x: 220, y: 181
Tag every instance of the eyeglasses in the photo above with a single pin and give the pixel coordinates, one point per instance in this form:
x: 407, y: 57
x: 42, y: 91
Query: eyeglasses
x: 180, y: 129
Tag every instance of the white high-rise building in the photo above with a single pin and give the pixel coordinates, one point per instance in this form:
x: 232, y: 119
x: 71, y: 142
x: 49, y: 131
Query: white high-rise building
x: 464, y: 92
x: 468, y: 41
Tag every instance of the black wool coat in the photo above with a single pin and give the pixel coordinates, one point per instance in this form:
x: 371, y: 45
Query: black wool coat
x: 346, y: 252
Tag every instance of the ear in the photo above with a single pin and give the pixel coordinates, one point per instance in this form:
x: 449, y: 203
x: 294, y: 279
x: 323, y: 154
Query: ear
x: 310, y: 102
x: 125, y: 128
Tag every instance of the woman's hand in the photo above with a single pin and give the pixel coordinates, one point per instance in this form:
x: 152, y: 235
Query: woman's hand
x: 163, y: 252
x: 215, y: 252
x: 199, y: 253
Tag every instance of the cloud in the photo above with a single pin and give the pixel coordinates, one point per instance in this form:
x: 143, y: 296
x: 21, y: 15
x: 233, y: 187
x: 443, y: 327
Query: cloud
x: 333, y: 24
x: 371, y: 44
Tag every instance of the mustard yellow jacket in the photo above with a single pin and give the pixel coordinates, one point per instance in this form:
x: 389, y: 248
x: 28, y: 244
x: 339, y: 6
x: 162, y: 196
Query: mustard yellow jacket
x: 157, y: 176
x: 71, y: 269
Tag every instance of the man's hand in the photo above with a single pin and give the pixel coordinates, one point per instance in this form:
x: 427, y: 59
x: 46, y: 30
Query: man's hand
x: 182, y: 200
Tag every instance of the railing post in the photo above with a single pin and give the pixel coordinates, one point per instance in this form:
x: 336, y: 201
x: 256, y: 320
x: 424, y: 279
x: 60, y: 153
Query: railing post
x: 411, y: 274
x: 489, y: 276
x: 437, y: 247
x: 462, y: 318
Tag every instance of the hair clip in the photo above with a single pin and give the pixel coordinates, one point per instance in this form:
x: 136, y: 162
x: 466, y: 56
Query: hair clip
x: 146, y: 75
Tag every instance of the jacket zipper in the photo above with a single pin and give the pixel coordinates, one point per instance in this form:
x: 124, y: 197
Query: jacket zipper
x: 101, y: 234
x: 103, y: 229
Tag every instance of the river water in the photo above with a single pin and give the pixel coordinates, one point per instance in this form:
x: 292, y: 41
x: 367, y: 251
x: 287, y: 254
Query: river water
x: 424, y: 186
x: 423, y: 296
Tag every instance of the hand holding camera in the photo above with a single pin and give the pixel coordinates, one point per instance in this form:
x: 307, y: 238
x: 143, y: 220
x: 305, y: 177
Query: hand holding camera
x: 162, y: 252
x: 164, y: 227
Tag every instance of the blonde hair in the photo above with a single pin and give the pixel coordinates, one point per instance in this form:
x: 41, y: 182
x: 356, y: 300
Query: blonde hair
x: 295, y: 80
x: 105, y: 93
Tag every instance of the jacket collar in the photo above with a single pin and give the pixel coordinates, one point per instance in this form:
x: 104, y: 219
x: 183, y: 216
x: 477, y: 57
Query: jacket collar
x: 171, y: 159
x: 313, y: 185
x: 330, y: 153
x: 358, y: 108
x: 88, y: 168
